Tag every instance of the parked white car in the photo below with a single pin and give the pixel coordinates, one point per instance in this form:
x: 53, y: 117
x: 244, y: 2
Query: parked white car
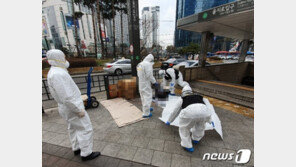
x: 189, y: 63
x: 118, y: 67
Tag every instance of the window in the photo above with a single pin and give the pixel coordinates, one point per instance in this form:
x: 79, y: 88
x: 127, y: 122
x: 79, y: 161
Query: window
x: 124, y: 62
x: 190, y: 63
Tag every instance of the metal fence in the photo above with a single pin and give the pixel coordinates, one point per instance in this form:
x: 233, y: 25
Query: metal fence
x: 98, y: 83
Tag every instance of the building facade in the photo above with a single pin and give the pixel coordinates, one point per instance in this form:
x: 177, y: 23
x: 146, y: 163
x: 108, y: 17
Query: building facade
x: 124, y: 29
x: 150, y: 26
x: 60, y: 27
x: 186, y: 8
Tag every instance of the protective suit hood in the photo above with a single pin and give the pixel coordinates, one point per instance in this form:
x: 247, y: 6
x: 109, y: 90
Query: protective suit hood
x: 186, y: 90
x: 56, y: 58
x: 170, y: 73
x: 149, y: 58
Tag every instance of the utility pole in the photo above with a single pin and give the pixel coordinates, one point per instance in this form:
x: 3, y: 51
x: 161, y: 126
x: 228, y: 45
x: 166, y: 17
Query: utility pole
x: 134, y: 34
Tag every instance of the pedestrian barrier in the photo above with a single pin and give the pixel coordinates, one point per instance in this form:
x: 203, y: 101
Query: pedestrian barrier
x: 98, y: 84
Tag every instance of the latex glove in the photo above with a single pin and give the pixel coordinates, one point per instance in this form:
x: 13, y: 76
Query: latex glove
x: 155, y: 84
x: 213, y: 124
x: 81, y: 114
x: 168, y: 123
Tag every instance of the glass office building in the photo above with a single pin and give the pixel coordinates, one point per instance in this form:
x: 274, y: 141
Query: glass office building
x: 189, y: 7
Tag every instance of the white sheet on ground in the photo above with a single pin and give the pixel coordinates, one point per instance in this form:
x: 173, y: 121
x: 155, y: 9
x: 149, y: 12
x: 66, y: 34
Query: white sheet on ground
x: 170, y: 105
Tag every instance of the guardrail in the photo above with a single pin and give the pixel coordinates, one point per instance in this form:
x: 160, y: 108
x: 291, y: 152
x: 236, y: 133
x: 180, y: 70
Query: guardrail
x: 98, y: 83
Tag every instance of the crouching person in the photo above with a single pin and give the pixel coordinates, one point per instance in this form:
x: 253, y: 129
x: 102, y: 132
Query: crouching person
x: 193, y: 115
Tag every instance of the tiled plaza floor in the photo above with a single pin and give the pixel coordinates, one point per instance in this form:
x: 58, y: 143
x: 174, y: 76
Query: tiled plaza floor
x: 152, y: 142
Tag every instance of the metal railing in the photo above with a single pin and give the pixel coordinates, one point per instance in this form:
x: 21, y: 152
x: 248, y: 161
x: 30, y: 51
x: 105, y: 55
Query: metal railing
x: 98, y: 83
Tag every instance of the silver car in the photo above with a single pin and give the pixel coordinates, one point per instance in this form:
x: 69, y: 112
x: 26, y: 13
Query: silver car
x: 190, y: 63
x: 118, y: 67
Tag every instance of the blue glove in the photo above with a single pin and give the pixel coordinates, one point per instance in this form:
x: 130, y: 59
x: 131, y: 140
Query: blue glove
x: 213, y: 124
x: 168, y: 123
x: 155, y: 84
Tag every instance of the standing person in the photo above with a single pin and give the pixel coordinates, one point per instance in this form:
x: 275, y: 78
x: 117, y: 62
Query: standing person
x: 146, y: 78
x: 70, y: 105
x: 193, y: 116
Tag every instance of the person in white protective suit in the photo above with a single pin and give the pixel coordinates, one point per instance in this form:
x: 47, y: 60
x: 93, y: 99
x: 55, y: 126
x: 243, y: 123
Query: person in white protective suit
x: 193, y: 115
x: 70, y: 105
x: 173, y: 77
x: 146, y: 78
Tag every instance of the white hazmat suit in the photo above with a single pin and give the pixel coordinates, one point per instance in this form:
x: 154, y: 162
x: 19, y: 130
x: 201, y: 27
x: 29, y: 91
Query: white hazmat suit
x: 174, y: 77
x: 193, y: 117
x: 68, y: 96
x: 146, y: 78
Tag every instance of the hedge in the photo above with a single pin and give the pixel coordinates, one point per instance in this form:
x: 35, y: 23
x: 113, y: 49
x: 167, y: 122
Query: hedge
x: 76, y: 63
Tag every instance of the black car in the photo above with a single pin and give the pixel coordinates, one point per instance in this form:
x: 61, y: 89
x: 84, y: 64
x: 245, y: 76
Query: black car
x: 170, y: 63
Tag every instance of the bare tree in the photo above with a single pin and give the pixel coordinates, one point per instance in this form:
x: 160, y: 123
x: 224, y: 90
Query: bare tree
x: 75, y: 17
x: 100, y: 28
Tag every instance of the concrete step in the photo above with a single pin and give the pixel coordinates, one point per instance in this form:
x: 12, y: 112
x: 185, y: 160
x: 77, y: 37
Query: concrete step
x: 238, y: 94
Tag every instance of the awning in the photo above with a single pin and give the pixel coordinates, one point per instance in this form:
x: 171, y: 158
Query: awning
x: 232, y: 20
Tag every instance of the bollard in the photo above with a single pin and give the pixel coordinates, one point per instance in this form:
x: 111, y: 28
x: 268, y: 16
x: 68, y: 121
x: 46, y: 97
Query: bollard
x: 106, y: 80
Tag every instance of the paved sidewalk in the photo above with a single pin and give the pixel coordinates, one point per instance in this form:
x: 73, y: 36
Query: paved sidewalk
x: 152, y: 142
x: 58, y: 156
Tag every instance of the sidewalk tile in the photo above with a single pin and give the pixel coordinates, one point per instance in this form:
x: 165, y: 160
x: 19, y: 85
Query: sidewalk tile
x: 112, y: 162
x: 127, y: 152
x: 50, y: 160
x: 61, y: 163
x: 180, y: 161
x: 143, y: 156
x: 66, y: 143
x: 198, y: 162
x: 156, y: 144
x: 59, y: 138
x: 140, y: 141
x: 172, y: 147
x: 99, y: 145
x: 111, y: 149
x: 161, y: 159
x: 126, y: 139
x: 123, y: 163
x: 112, y: 137
x: 51, y: 149
x: 153, y: 133
x: 139, y: 131
x: 99, y: 135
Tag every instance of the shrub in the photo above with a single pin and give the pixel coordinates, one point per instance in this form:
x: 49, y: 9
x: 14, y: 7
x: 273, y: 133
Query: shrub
x: 45, y: 64
x: 215, y: 58
x: 101, y: 62
x: 82, y: 62
x: 76, y: 63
